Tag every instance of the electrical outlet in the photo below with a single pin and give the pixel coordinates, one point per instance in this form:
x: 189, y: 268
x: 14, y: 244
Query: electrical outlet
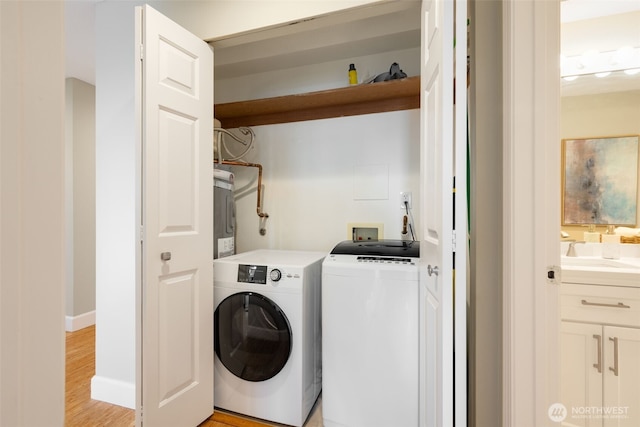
x: 405, y: 199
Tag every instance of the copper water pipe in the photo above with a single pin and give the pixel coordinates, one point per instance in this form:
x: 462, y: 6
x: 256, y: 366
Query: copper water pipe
x: 254, y: 165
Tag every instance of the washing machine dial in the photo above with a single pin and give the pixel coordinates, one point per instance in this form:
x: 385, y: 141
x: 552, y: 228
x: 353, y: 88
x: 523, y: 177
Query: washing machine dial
x: 275, y: 275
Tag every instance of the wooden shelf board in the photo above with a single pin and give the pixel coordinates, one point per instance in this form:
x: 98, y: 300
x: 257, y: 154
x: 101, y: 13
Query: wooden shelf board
x: 393, y: 95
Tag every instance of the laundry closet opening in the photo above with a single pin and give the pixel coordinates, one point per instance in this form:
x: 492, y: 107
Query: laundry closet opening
x: 331, y: 153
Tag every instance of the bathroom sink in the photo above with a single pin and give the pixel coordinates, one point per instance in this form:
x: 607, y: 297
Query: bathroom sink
x: 595, y: 270
x: 597, y: 262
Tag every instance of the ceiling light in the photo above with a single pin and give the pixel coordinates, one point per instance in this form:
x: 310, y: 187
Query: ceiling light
x: 569, y: 78
x: 587, y: 59
x: 623, y: 55
x: 601, y: 64
x: 632, y: 71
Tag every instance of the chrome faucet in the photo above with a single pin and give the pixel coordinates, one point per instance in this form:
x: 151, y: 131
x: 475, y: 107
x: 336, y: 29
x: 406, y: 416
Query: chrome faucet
x: 572, y: 247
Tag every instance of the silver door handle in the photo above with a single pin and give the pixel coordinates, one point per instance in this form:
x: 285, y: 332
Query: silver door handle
x: 598, y: 365
x: 601, y: 304
x: 615, y: 356
x: 432, y: 270
x: 165, y: 256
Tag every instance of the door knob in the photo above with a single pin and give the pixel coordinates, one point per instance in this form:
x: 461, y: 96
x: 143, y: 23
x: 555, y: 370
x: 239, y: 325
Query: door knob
x: 432, y: 270
x: 165, y: 256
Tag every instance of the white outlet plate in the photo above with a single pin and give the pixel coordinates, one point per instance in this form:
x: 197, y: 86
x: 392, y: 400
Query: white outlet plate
x: 405, y: 196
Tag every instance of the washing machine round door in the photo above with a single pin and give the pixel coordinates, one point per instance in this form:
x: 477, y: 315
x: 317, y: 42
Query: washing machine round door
x: 253, y: 336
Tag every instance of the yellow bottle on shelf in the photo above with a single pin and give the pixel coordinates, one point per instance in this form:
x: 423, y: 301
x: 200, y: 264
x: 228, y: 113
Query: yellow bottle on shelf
x: 353, y: 75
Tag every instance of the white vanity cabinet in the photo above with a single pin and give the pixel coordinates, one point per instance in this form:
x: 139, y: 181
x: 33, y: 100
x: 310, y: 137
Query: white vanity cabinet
x: 600, y: 355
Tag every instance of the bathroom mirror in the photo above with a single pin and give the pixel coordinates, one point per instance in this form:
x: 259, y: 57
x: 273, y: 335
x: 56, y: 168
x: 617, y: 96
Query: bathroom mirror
x: 600, y: 86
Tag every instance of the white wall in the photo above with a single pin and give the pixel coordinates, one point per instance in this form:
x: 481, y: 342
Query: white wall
x: 32, y: 216
x: 117, y: 206
x: 316, y: 179
x: 80, y: 159
x: 604, y: 114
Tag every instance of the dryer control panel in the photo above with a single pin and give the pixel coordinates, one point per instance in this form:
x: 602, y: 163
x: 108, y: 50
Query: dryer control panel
x: 262, y: 274
x: 248, y: 273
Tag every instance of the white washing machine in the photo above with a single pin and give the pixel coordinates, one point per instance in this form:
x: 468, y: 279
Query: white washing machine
x: 370, y: 324
x: 267, y: 334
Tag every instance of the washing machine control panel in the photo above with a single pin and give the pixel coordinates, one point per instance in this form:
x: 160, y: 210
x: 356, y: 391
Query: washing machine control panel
x: 386, y: 260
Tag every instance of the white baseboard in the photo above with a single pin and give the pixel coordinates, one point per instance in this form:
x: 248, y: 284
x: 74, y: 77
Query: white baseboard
x: 75, y: 323
x: 116, y: 392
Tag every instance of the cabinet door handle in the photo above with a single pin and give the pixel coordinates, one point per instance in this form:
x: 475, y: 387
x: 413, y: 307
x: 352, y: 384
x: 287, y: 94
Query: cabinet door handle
x: 598, y: 365
x: 601, y: 304
x: 615, y: 356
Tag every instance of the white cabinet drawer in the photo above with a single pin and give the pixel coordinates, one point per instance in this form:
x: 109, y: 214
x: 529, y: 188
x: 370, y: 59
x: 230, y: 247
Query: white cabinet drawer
x: 610, y: 305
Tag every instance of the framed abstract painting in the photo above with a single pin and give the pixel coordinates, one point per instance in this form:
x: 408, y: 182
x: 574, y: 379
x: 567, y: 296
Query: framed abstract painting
x: 600, y: 180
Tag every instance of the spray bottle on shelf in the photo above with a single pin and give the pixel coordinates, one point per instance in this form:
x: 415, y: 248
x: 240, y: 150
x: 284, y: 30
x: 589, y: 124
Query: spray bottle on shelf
x: 353, y: 75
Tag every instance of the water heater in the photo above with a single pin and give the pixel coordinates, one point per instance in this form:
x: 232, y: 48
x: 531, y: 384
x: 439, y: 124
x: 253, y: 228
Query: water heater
x: 224, y: 213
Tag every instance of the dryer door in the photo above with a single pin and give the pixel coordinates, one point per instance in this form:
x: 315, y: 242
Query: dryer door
x: 252, y: 336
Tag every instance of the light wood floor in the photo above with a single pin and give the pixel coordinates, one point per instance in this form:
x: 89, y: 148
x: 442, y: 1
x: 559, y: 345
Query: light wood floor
x: 82, y: 411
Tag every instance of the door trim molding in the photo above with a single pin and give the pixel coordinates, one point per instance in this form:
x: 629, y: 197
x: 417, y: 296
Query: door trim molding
x: 531, y: 204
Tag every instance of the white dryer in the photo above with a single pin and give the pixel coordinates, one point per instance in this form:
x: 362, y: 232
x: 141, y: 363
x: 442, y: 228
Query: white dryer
x: 370, y: 324
x: 267, y: 334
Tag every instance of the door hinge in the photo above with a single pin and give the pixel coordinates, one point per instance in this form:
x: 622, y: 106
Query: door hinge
x: 141, y: 51
x: 141, y: 233
x: 453, y: 240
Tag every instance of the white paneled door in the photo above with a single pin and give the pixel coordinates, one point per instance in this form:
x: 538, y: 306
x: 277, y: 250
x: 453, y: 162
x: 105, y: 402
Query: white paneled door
x: 443, y: 256
x: 175, y: 89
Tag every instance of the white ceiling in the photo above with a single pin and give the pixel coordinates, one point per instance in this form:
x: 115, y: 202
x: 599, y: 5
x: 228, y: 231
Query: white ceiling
x: 577, y: 10
x: 353, y: 33
x: 80, y: 40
